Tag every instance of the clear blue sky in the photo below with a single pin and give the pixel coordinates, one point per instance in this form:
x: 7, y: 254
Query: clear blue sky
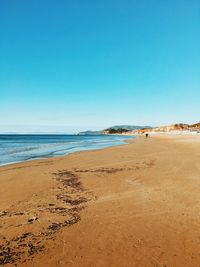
x: 69, y: 65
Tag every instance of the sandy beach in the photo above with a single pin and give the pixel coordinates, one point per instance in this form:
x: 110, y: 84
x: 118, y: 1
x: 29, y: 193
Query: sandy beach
x: 131, y: 205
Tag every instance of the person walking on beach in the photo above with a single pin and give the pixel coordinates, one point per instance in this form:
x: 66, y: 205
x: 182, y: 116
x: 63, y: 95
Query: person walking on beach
x: 146, y: 135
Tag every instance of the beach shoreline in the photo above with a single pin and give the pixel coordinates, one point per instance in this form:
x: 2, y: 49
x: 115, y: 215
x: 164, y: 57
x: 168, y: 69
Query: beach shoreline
x: 25, y: 148
x: 128, y: 205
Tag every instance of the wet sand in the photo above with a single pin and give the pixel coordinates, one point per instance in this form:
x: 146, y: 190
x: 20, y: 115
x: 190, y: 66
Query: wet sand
x: 130, y: 205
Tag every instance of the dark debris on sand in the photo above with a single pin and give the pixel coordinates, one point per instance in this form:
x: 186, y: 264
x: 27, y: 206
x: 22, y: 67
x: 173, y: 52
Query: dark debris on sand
x: 69, y: 180
x: 71, y: 197
x: 111, y: 170
x: 19, y: 247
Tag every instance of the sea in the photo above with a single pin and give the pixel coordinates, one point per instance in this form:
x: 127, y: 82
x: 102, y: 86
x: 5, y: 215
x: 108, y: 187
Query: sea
x: 19, y: 148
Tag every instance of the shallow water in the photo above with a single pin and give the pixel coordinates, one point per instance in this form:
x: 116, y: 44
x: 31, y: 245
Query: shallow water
x: 18, y: 148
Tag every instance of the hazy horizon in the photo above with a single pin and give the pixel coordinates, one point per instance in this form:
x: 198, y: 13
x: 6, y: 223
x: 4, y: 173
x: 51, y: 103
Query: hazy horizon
x: 68, y: 130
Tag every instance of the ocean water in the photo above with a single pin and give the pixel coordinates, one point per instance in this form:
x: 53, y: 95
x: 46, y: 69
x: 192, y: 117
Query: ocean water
x: 18, y: 148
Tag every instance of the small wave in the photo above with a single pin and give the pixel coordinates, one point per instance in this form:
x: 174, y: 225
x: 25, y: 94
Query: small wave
x: 18, y: 151
x: 52, y: 147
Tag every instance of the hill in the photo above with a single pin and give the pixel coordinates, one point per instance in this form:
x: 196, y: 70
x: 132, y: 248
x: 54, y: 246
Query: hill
x: 115, y: 129
x: 128, y: 127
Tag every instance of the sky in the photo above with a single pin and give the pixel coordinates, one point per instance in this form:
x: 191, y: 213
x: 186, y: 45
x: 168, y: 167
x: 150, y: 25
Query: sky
x: 73, y: 65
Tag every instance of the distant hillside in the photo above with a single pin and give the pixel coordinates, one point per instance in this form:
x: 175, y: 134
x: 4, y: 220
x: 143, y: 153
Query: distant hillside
x: 182, y: 126
x: 196, y: 125
x: 172, y: 128
x: 128, y: 127
x: 120, y: 129
x: 115, y: 129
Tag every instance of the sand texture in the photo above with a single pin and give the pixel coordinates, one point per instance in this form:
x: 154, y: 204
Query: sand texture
x: 131, y: 205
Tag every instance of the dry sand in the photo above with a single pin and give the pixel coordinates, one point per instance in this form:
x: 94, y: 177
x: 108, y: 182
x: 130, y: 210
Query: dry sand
x: 131, y: 205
